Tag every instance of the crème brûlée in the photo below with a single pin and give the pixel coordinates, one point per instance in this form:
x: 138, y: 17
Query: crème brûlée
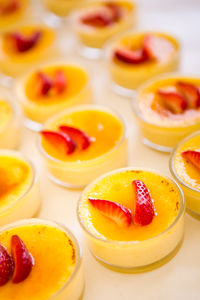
x: 136, y: 57
x: 62, y: 7
x: 9, y: 125
x: 56, y: 271
x: 98, y: 21
x: 12, y: 11
x: 50, y: 89
x: 141, y: 228
x: 185, y: 167
x: 26, y: 45
x: 19, y: 190
x: 82, y: 143
x: 168, y: 109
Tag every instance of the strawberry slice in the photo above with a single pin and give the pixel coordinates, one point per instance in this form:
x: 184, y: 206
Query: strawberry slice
x: 97, y: 19
x: 191, y: 92
x: 80, y: 137
x: 44, y: 84
x: 114, y: 211
x: 193, y: 157
x: 23, y: 260
x: 115, y: 10
x: 6, y: 266
x: 61, y: 141
x: 60, y: 82
x: 9, y: 7
x: 157, y: 47
x: 131, y: 57
x: 174, y: 101
x: 24, y: 43
x: 144, y: 208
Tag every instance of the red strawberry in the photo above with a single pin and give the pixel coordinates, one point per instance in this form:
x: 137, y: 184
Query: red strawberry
x: 193, y: 157
x: 9, y: 7
x: 144, y: 209
x: 60, y: 82
x: 97, y: 19
x: 6, y: 266
x: 174, y: 101
x: 23, y: 260
x: 61, y: 141
x: 191, y: 92
x: 80, y: 137
x: 22, y: 43
x: 115, y: 11
x: 44, y: 84
x: 131, y: 57
x: 114, y: 211
x: 157, y: 47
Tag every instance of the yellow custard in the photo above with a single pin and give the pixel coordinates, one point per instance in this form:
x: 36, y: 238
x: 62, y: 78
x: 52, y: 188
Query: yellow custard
x: 38, y: 108
x: 131, y: 76
x: 8, y: 19
x: 107, y: 150
x: 55, y: 259
x: 96, y: 37
x: 62, y: 7
x: 186, y: 173
x: 105, y: 133
x: 6, y: 114
x: 133, y: 247
x: 19, y: 190
x: 14, y: 63
x: 161, y: 131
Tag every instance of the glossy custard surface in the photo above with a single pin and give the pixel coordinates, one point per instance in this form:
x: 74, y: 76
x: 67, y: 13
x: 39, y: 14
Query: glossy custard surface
x: 7, y: 51
x: 76, y: 80
x: 15, y: 179
x: 185, y: 170
x: 104, y: 129
x: 54, y: 255
x: 5, y: 114
x: 117, y: 187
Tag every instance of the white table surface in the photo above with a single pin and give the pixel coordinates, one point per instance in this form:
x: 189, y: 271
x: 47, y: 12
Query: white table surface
x: 180, y: 278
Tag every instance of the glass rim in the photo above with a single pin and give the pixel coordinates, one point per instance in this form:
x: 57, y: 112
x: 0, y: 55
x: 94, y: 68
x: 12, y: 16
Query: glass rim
x: 23, y: 79
x: 171, y: 161
x: 79, y: 108
x: 62, y: 227
x: 18, y: 154
x: 115, y: 242
x: 148, y: 83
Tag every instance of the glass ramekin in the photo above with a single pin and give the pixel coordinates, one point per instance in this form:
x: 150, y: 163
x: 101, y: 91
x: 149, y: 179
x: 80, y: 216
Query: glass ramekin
x: 28, y: 204
x: 125, y: 79
x: 74, y: 287
x: 10, y: 134
x: 192, y: 195
x: 161, y: 137
x: 93, y: 40
x: 78, y: 174
x: 36, y: 115
x: 136, y: 256
x: 16, y: 66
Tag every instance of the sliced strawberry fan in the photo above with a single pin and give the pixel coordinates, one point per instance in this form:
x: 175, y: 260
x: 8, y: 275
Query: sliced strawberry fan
x: 193, y: 157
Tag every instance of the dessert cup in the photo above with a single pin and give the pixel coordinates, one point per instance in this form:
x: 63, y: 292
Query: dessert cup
x: 37, y: 109
x: 9, y: 122
x: 20, y: 196
x: 108, y: 148
x: 13, y: 62
x: 187, y: 176
x: 127, y: 77
x: 153, y: 245
x: 161, y: 132
x: 35, y: 233
x: 92, y: 39
x: 63, y: 7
